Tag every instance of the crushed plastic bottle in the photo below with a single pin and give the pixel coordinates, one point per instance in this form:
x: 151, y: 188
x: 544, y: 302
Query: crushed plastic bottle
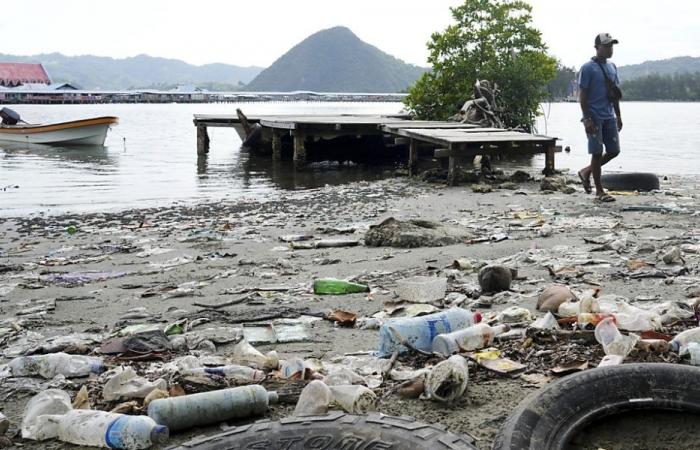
x: 187, y: 411
x: 448, y: 379
x: 313, y: 400
x: 44, y: 405
x: 679, y: 343
x: 4, y: 424
x: 475, y: 337
x: 693, y: 350
x: 420, y: 331
x: 334, y: 286
x: 125, y: 383
x: 48, y: 366
x: 246, y: 354
x: 293, y: 369
x: 103, y: 429
x: 614, y: 342
x: 354, y: 399
x: 239, y: 374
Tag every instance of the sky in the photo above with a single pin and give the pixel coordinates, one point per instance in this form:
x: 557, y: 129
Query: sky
x: 256, y: 33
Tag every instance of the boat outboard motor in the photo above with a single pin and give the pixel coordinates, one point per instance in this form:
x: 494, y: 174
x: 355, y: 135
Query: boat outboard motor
x: 9, y: 117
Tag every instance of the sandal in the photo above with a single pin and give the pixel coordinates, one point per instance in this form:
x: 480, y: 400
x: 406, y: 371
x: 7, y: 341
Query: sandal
x: 585, y: 182
x: 605, y: 198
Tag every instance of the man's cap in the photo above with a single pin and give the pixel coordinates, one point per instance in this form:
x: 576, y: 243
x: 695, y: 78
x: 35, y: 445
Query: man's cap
x: 605, y: 39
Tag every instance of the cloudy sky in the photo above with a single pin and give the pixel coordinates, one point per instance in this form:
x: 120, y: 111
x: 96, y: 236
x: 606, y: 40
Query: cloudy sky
x: 248, y: 33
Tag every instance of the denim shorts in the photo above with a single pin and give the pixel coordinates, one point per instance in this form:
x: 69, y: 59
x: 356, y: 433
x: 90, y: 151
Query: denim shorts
x: 605, y: 134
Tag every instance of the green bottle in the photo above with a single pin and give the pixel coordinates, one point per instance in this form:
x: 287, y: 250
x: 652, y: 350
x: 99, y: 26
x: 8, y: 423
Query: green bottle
x: 334, y: 286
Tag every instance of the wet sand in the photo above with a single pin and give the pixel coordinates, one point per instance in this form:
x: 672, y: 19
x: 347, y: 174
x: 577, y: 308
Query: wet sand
x: 221, y: 248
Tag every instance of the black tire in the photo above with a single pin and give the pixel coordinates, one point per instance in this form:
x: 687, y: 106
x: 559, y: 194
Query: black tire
x: 630, y: 181
x: 337, y: 431
x: 549, y: 418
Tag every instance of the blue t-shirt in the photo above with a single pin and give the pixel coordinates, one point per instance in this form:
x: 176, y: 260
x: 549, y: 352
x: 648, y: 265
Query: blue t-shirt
x: 591, y: 79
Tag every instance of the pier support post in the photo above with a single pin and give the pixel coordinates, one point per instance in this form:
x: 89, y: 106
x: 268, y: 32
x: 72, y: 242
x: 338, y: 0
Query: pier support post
x: 451, y: 175
x: 276, y: 146
x: 412, y: 157
x: 202, y: 140
x: 549, y: 160
x: 299, y: 151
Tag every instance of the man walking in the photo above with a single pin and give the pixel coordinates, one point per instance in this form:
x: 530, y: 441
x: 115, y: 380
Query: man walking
x: 599, y: 96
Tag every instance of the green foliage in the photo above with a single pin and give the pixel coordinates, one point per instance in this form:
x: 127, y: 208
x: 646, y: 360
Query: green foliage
x: 335, y: 60
x: 679, y: 87
x: 492, y: 40
x: 559, y: 87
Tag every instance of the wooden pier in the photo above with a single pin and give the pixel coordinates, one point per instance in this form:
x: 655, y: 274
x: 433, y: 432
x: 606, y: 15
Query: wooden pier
x: 451, y: 140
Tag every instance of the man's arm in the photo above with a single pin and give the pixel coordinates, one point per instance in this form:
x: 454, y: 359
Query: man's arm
x: 616, y: 106
x: 587, y: 120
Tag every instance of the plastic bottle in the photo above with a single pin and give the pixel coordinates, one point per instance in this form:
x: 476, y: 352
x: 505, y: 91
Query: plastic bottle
x: 313, y: 400
x: 681, y: 340
x: 420, y: 331
x: 354, y: 399
x: 103, y: 429
x: 477, y: 336
x: 448, y: 379
x: 614, y: 342
x: 4, y: 424
x: 50, y: 365
x: 334, y: 286
x: 239, y: 374
x: 592, y: 318
x: 178, y: 413
x: 293, y: 369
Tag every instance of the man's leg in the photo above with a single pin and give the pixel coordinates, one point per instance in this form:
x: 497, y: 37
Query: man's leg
x: 588, y: 170
x: 596, y: 163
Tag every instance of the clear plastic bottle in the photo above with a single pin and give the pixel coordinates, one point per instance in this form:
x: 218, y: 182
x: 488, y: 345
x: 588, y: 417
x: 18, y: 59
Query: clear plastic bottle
x: 179, y: 413
x: 52, y: 364
x: 475, y: 337
x: 614, y: 342
x: 313, y: 400
x: 420, y: 331
x: 355, y: 399
x: 239, y: 374
x: 334, y: 286
x: 448, y: 379
x: 103, y: 429
x: 679, y: 343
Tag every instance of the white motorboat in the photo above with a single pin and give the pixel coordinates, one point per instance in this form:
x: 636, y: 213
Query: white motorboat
x: 91, y: 131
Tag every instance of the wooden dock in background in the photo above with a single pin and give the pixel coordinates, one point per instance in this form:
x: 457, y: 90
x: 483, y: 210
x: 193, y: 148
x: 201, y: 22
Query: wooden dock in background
x: 451, y: 140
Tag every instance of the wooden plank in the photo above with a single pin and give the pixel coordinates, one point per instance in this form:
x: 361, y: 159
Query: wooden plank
x: 470, y: 153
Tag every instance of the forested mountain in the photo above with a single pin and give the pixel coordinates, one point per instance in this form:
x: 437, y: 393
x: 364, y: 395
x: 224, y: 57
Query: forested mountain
x: 96, y: 72
x: 671, y: 66
x: 335, y: 60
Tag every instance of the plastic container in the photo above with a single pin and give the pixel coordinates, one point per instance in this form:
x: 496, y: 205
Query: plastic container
x: 127, y: 384
x: 103, y: 429
x: 37, y: 421
x: 614, y: 342
x: 239, y: 374
x: 292, y: 369
x: 448, y: 380
x: 334, y: 286
x: 420, y: 331
x: 354, y: 399
x: 4, y: 424
x: 50, y: 365
x: 475, y: 337
x: 179, y: 413
x: 422, y: 289
x: 313, y: 400
x: 679, y: 343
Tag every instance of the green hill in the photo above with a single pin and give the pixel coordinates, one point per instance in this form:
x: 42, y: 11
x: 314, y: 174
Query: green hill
x: 671, y: 66
x: 335, y: 60
x: 96, y: 72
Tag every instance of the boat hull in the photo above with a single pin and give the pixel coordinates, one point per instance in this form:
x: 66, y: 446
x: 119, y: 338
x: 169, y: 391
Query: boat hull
x: 78, y: 132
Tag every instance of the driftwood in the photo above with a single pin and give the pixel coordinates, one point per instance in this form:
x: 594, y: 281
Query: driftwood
x: 244, y: 122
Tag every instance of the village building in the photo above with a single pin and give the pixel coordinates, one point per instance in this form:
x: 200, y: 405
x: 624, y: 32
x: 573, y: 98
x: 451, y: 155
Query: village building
x: 18, y: 74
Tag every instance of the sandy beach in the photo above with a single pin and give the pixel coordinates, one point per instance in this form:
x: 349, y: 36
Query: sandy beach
x: 82, y: 273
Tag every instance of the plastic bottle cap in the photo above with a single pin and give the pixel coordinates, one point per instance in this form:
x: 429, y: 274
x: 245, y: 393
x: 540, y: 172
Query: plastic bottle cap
x: 477, y: 317
x: 272, y: 397
x: 160, y: 434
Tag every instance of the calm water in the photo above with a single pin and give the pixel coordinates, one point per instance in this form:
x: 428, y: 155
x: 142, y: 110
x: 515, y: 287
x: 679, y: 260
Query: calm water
x: 150, y: 157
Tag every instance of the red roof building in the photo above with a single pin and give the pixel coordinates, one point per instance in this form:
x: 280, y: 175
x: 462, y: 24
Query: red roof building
x: 16, y: 74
